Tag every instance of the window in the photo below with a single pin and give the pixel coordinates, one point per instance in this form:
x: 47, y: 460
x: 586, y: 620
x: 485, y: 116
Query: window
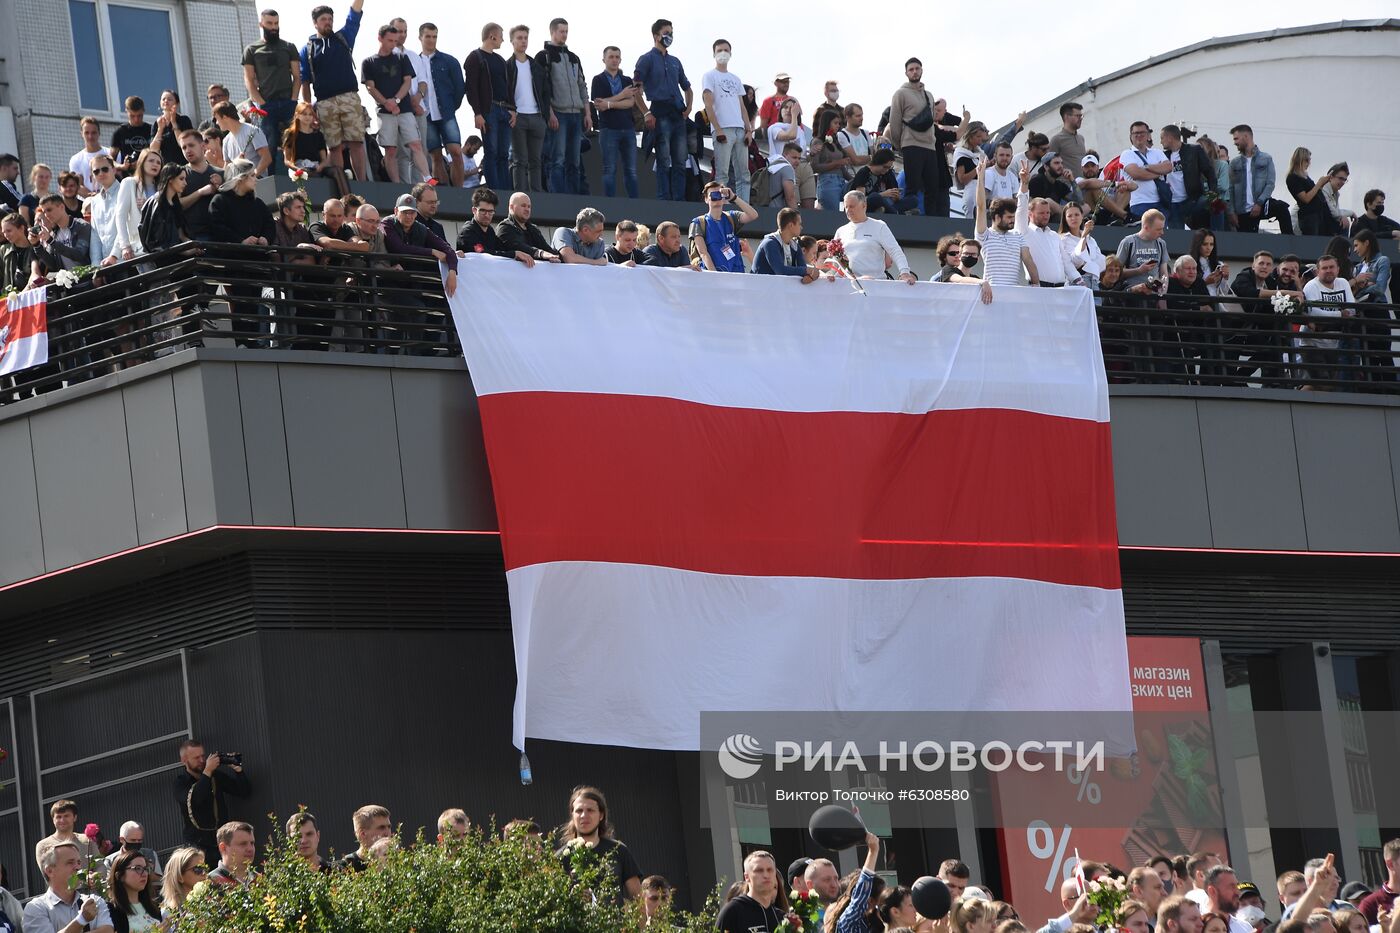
x: 123, y: 49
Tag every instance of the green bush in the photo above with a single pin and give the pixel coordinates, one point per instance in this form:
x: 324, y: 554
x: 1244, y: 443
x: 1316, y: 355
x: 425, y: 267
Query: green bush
x: 479, y: 884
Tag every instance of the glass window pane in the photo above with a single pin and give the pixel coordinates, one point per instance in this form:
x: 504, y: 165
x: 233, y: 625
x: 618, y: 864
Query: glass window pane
x: 145, y: 57
x: 87, y: 55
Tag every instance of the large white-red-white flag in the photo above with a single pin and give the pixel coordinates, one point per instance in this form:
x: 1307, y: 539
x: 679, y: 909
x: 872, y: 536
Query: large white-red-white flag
x: 738, y: 492
x: 24, y: 330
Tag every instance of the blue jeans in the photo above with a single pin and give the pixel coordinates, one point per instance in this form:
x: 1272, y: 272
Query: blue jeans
x: 495, y: 162
x: 1136, y: 211
x: 1176, y: 214
x: 670, y: 156
x: 619, y: 147
x: 561, y: 153
x: 830, y: 187
x: 279, y: 117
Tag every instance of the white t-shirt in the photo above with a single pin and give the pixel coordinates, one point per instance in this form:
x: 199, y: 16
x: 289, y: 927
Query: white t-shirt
x: 1325, y: 301
x: 859, y: 143
x: 244, y: 143
x: 469, y: 163
x: 866, y: 245
x: 775, y: 145
x: 423, y: 75
x: 1146, y: 191
x: 524, y: 88
x: 1176, y: 180
x: 728, y: 92
x: 81, y: 165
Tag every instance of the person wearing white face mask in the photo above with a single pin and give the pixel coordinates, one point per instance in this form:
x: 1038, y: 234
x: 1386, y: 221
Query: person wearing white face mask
x: 831, y: 95
x: 723, y: 94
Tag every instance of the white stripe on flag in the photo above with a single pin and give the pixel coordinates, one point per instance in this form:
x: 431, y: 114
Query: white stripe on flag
x: 646, y: 649
x: 767, y: 342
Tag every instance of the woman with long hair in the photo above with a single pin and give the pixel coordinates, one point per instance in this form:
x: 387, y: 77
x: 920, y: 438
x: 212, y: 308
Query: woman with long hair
x: 40, y: 185
x: 163, y: 227
x: 854, y: 910
x: 1076, y: 234
x: 896, y: 909
x: 1339, y: 247
x: 136, y: 189
x: 130, y: 902
x: 1350, y: 920
x: 184, y: 869
x: 972, y: 915
x: 588, y: 828
x: 1313, y: 217
x: 304, y: 146
x: 829, y: 160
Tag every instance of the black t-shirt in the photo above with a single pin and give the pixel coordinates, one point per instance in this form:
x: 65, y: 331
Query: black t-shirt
x: 1316, y: 209
x: 170, y: 152
x: 309, y: 146
x: 387, y: 72
x: 618, y: 856
x: 129, y: 140
x: 353, y: 862
x: 655, y: 257
x: 636, y: 256
x: 1043, y: 186
x: 746, y: 915
x: 197, y: 214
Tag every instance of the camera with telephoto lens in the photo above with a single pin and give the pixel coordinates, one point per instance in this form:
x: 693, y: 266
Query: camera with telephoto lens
x: 230, y: 758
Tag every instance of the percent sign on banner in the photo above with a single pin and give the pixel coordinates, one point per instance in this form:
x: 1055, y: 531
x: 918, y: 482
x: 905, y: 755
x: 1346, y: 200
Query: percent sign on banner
x: 1087, y: 788
x: 1043, y: 844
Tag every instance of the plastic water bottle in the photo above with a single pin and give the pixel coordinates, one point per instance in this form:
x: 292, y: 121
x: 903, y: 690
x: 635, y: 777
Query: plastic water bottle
x: 526, y: 778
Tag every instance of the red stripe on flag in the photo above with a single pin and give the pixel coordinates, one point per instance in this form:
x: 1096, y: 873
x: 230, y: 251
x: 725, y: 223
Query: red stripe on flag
x: 24, y: 320
x: 881, y: 496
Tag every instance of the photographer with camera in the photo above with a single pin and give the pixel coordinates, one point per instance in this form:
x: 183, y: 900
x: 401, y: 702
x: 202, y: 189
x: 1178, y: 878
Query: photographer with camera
x: 200, y: 790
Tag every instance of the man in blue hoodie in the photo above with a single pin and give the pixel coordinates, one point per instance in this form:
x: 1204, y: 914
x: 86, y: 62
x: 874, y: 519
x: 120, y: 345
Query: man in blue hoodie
x: 328, y: 68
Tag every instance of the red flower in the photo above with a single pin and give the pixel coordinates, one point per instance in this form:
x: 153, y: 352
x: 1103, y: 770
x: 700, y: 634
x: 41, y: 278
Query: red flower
x: 92, y: 830
x: 479, y: 248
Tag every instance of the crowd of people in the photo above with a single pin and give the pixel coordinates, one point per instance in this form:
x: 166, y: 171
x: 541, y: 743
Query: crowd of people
x: 158, y: 185
x: 1198, y: 893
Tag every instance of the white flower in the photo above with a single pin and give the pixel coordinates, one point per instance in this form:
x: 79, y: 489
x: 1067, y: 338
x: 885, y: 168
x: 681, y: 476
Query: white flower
x: 1094, y: 886
x: 64, y: 278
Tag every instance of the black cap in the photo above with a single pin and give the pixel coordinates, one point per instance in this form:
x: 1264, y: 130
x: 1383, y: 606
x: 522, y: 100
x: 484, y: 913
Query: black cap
x: 1354, y: 890
x: 1247, y: 888
x: 798, y: 867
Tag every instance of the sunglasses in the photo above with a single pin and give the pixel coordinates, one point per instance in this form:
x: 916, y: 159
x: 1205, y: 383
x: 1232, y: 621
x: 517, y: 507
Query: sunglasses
x: 101, y: 169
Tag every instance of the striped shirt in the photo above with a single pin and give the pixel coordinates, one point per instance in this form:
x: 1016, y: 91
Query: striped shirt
x: 1001, y: 252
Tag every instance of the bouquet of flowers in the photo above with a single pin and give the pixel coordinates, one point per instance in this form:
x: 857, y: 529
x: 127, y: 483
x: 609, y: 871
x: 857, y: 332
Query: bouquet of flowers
x: 1107, y: 894
x: 299, y: 175
x: 806, y: 906
x: 249, y: 111
x: 837, y: 250
x: 69, y: 278
x: 1285, y: 304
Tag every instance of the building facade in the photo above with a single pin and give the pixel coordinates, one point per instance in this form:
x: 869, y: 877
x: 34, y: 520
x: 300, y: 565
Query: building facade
x: 67, y: 59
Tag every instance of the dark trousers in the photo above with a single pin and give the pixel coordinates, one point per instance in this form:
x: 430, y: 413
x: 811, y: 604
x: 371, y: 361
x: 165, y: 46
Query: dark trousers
x: 921, y: 177
x: 1275, y: 209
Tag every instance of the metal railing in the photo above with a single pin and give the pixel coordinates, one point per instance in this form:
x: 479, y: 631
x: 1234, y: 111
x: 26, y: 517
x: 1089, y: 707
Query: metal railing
x: 285, y: 298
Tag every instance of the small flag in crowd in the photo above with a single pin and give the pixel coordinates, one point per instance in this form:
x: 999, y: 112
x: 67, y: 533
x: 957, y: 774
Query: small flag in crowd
x: 24, y: 330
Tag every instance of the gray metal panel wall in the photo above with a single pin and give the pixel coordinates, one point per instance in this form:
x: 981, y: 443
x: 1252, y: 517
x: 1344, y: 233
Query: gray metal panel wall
x: 1251, y: 475
x: 221, y: 437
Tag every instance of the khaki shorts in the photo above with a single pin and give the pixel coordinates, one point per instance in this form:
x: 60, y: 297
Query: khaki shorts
x: 806, y: 182
x: 397, y: 129
x: 341, y: 119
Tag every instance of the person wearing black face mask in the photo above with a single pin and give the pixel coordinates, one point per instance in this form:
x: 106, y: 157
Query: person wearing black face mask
x: 1374, y: 219
x: 968, y: 256
x: 272, y: 75
x: 132, y: 838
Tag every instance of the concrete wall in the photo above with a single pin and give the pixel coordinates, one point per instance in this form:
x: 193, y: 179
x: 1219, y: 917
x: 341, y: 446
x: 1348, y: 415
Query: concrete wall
x: 313, y: 440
